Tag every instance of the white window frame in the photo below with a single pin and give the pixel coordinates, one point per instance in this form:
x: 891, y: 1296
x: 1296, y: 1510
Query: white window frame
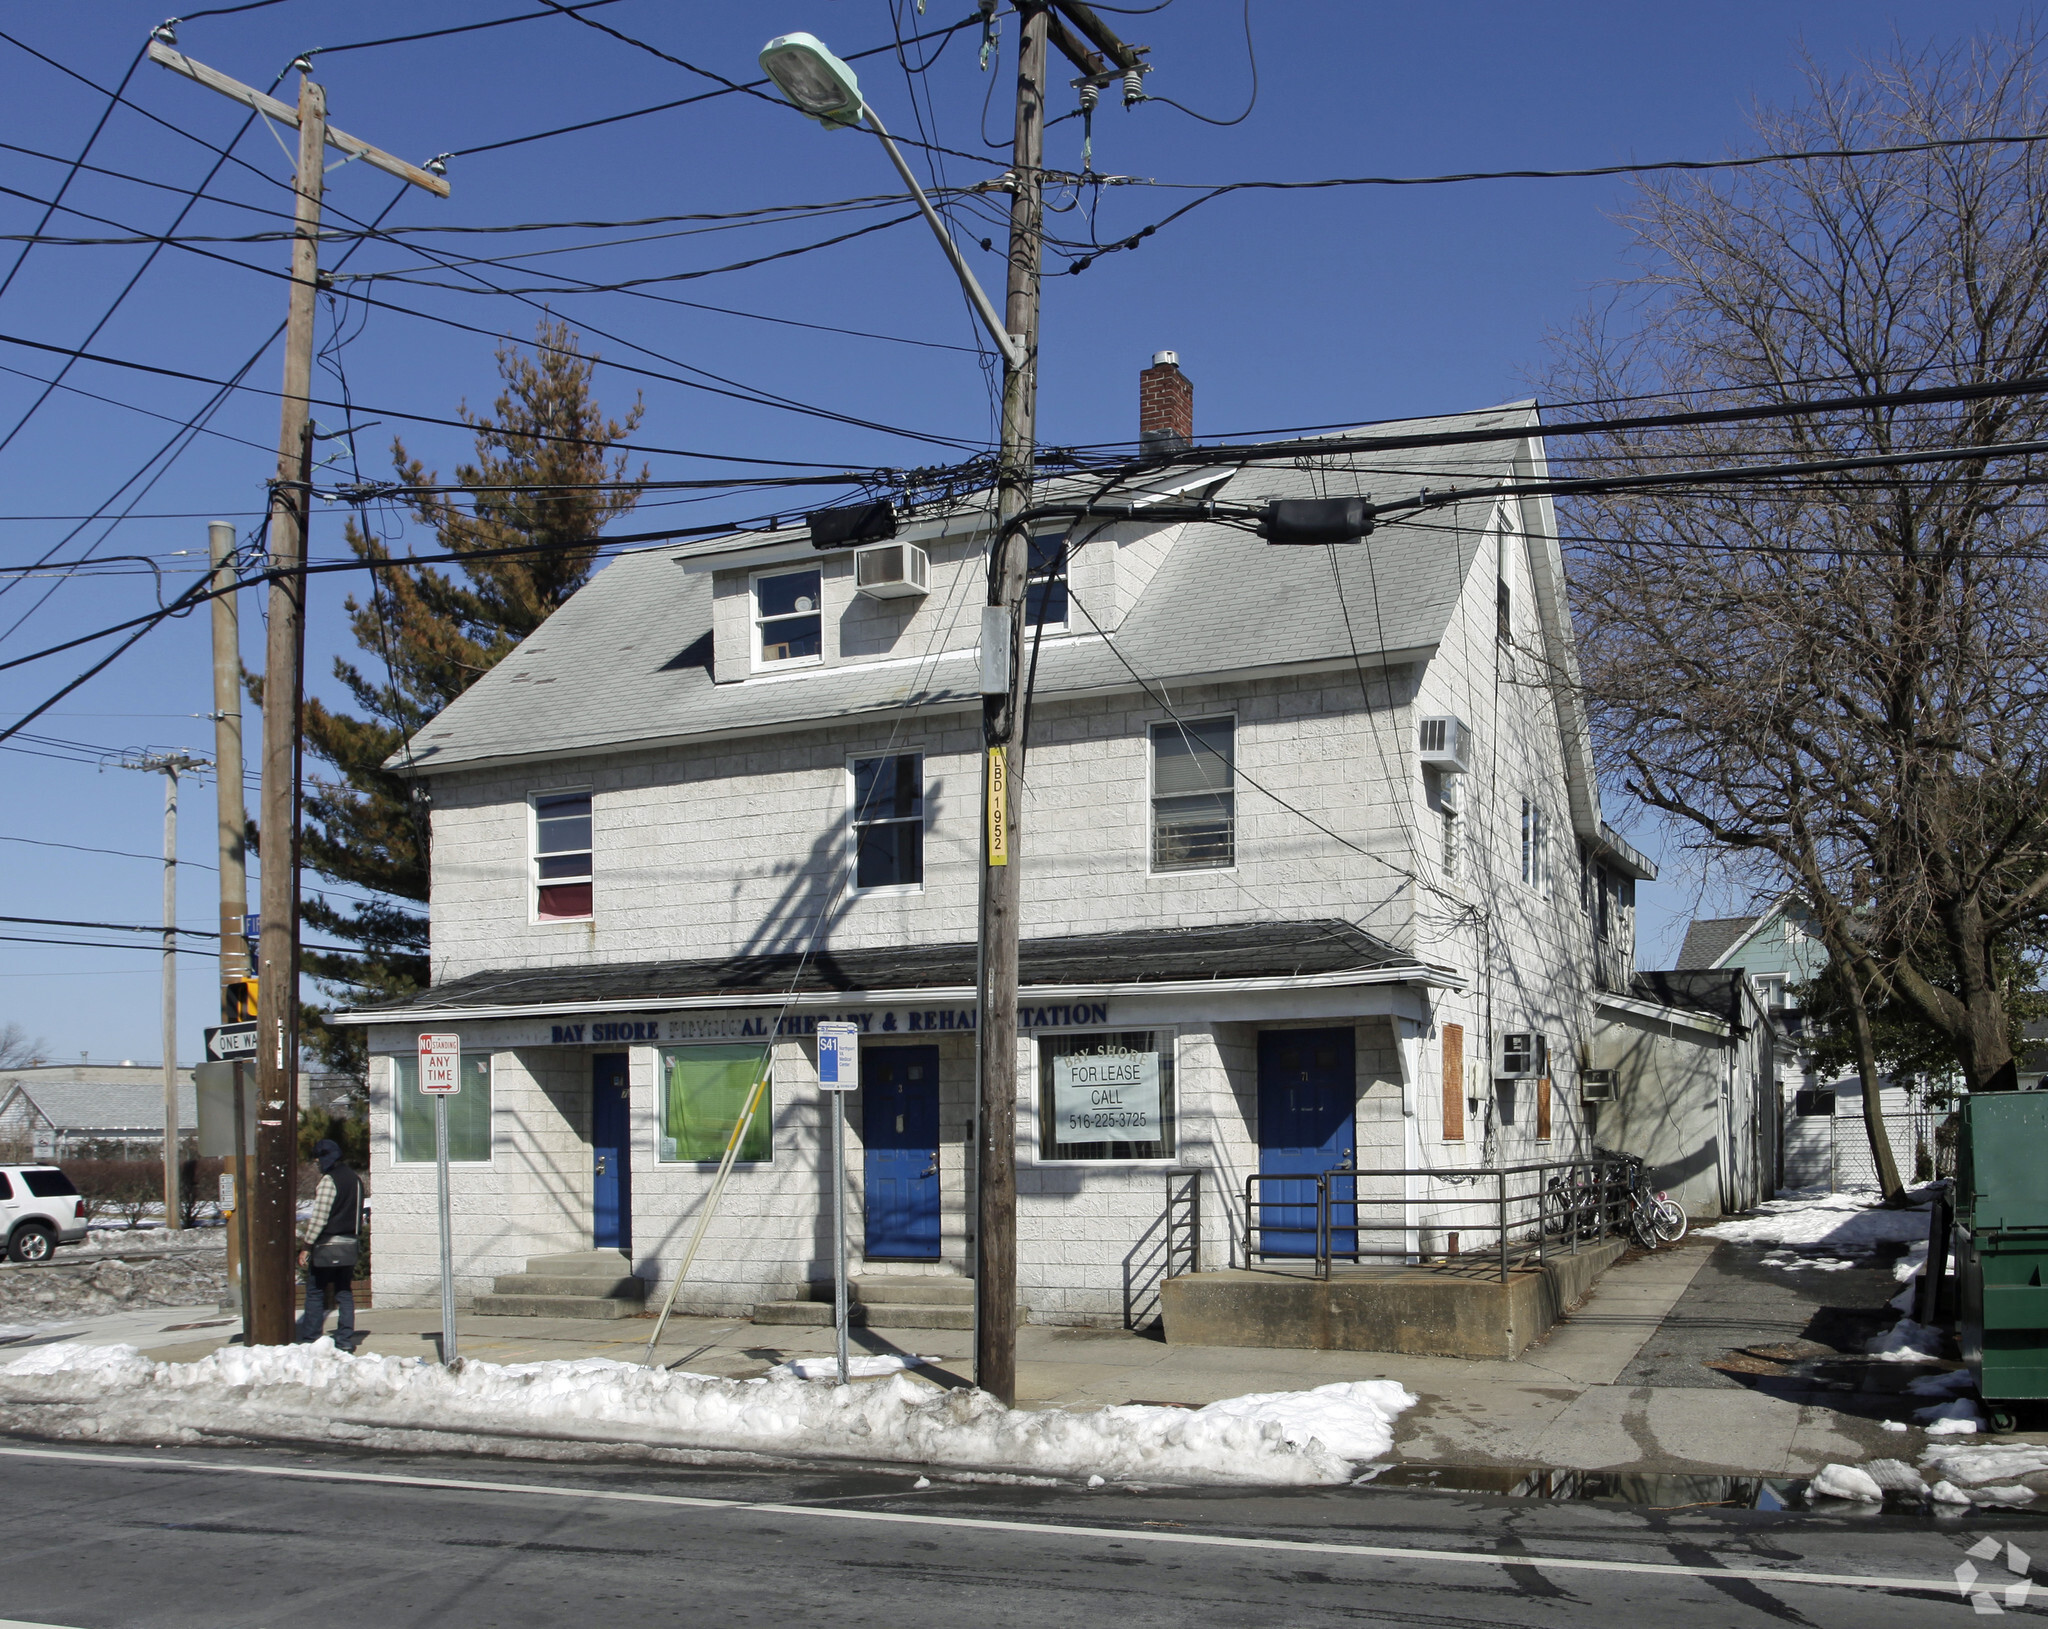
x: 1536, y: 844
x: 533, y: 877
x: 853, y: 825
x: 395, y: 1076
x: 1170, y: 1038
x: 758, y: 663
x: 1152, y: 797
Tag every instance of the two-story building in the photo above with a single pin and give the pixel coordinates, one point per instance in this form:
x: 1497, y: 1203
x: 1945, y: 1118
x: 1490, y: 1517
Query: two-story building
x: 1311, y: 848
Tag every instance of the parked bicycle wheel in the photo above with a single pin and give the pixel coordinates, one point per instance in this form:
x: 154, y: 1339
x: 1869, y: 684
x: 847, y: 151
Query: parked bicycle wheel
x: 1642, y: 1221
x: 1670, y: 1219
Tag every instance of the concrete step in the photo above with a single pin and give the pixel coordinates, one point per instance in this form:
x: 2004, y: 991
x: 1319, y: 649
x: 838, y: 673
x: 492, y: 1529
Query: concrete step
x: 813, y: 1314
x: 930, y: 1290
x: 582, y: 1263
x: 561, y: 1306
x: 619, y: 1287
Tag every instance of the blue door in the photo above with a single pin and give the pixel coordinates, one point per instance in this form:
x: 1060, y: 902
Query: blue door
x: 1307, y: 1084
x: 899, y: 1088
x: 611, y: 1147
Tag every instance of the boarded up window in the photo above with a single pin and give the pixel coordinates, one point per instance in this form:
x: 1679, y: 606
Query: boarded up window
x: 1454, y: 1083
x: 1543, y: 1109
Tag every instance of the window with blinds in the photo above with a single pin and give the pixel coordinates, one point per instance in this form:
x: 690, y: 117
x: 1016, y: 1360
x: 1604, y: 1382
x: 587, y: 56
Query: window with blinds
x: 1194, y: 796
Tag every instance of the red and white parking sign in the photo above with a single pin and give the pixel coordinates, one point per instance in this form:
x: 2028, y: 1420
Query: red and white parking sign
x: 440, y: 1063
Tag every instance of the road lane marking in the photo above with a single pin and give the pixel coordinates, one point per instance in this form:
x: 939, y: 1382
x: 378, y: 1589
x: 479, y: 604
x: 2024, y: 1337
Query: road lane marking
x: 986, y: 1524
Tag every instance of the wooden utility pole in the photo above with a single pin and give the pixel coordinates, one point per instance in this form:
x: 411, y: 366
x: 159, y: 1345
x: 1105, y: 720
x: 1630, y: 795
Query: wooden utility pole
x: 273, y: 1190
x: 995, y: 1235
x: 231, y: 822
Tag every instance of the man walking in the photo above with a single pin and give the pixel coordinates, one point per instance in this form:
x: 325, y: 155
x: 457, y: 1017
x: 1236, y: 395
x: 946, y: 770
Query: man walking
x: 328, y: 1242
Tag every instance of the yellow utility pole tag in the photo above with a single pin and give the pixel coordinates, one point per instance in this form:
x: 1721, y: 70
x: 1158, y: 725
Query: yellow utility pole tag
x: 998, y: 806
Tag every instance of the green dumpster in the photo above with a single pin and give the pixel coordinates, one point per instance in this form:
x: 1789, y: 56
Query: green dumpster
x: 2001, y: 1243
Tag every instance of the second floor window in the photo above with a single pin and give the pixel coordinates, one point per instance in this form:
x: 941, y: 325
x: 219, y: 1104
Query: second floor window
x: 561, y: 857
x: 1535, y: 846
x: 787, y: 617
x: 1046, y: 603
x: 888, y: 821
x: 1194, y: 797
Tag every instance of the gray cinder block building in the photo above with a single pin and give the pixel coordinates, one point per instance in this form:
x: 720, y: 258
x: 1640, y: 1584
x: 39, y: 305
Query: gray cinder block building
x: 1313, y: 867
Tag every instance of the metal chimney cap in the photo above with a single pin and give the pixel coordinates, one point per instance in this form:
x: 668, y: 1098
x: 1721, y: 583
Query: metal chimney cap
x: 1166, y: 359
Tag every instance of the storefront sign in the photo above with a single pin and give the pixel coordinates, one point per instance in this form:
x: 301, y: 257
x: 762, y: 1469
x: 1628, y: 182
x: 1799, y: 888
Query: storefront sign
x: 1106, y: 1097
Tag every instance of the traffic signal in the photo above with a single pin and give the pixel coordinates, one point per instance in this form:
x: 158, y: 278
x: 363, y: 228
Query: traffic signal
x: 238, y: 1001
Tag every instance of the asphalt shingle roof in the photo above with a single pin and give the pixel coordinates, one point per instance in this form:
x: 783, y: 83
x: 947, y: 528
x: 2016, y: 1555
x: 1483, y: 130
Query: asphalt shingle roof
x: 1709, y: 938
x: 1142, y: 955
x: 628, y: 658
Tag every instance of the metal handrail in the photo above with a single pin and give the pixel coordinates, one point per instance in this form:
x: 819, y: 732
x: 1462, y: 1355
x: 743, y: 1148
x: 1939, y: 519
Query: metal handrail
x: 1583, y: 1198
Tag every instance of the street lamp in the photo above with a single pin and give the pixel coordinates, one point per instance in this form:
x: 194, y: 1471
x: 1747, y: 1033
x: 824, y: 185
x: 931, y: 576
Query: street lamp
x: 822, y: 87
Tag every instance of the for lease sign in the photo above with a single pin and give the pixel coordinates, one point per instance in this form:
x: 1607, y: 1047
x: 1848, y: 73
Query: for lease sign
x: 1106, y: 1097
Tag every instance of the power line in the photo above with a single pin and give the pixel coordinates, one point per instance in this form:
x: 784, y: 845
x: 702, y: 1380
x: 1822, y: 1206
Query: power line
x: 118, y: 853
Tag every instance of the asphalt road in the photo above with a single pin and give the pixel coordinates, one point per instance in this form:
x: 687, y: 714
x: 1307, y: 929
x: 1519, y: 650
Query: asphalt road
x: 164, y: 1539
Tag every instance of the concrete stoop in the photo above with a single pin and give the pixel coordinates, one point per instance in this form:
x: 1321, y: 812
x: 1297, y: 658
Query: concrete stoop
x: 924, y: 1301
x: 1440, y: 1311
x: 583, y: 1284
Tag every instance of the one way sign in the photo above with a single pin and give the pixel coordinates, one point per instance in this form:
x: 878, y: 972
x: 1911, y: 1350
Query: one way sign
x: 226, y: 1042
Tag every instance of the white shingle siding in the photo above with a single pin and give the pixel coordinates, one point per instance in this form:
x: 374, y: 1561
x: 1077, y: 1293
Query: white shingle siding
x: 719, y: 812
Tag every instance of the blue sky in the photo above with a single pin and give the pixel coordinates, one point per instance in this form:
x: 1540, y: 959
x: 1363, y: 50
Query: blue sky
x: 1297, y: 308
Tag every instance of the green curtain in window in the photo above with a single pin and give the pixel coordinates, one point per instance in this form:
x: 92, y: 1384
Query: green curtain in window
x: 469, y: 1114
x: 704, y: 1088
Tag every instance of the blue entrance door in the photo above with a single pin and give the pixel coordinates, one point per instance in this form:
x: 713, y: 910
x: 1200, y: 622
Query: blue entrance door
x: 899, y: 1088
x: 1307, y: 1085
x: 611, y: 1146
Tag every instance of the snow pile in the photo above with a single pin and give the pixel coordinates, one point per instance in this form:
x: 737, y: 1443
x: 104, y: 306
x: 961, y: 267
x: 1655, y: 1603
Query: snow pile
x: 1354, y: 1418
x: 1906, y: 1342
x: 1953, y: 1383
x: 1971, y: 1465
x: 1793, y: 1261
x: 1961, y: 1418
x: 857, y: 1368
x: 308, y: 1393
x: 1846, y: 1220
x: 1845, y: 1482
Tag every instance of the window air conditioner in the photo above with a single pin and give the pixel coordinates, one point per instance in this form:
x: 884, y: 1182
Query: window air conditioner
x: 1596, y: 1085
x: 893, y: 571
x: 1443, y: 743
x: 1523, y: 1054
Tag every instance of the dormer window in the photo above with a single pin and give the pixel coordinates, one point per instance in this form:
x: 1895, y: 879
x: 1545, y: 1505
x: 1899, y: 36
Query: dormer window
x: 789, y: 626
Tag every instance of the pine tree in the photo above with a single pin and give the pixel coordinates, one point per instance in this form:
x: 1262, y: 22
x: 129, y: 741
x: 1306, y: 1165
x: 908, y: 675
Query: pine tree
x: 428, y: 636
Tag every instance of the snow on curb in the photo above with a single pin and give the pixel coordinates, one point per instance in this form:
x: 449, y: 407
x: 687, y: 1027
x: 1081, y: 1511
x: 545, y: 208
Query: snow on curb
x: 313, y: 1392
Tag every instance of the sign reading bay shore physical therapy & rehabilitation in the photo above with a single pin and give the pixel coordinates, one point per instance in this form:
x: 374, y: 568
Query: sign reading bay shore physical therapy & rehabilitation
x: 1106, y: 1097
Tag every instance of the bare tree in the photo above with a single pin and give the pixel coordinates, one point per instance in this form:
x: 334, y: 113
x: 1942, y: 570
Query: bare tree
x: 1843, y: 678
x: 17, y: 1051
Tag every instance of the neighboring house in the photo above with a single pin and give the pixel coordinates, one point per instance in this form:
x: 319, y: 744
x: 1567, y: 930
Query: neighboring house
x: 1826, y: 1144
x: 2034, y: 1057
x: 68, y: 1110
x: 1694, y: 1061
x: 1311, y: 844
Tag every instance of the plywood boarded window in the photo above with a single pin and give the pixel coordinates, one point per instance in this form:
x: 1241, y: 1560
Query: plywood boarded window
x: 1543, y: 1109
x: 1454, y: 1083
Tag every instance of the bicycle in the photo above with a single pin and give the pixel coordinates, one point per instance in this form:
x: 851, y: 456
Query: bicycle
x: 1654, y: 1217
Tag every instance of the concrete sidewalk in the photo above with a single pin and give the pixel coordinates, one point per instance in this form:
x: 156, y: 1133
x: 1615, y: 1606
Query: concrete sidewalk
x: 1561, y: 1405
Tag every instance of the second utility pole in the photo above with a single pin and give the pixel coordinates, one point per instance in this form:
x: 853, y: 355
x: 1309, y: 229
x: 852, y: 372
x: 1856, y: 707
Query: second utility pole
x: 995, y: 1234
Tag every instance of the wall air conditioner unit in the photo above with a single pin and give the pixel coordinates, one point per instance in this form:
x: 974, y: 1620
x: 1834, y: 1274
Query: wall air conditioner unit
x: 892, y: 572
x: 1444, y: 743
x: 1524, y: 1054
x: 1596, y: 1085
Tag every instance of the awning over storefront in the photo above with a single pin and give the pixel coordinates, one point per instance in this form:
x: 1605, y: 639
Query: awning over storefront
x: 1237, y: 957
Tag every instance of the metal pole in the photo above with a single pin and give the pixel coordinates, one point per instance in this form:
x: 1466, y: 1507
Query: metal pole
x: 839, y: 1226
x: 995, y: 1277
x: 240, y: 1234
x: 171, y: 996
x: 447, y: 1248
x: 231, y: 823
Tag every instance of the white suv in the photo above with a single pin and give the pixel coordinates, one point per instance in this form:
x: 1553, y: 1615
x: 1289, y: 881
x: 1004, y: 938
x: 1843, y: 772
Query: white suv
x: 39, y: 1210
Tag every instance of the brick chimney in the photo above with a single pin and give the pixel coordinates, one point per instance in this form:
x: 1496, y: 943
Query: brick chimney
x: 1166, y: 404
